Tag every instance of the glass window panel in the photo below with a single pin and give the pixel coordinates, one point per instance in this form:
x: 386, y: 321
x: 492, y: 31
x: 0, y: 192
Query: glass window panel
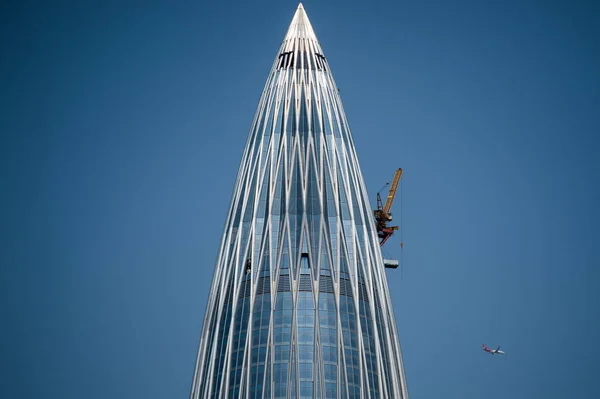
x: 306, y: 389
x: 280, y: 372
x: 305, y: 353
x: 330, y: 372
x: 306, y: 371
x: 305, y: 334
x: 330, y: 390
x: 329, y: 353
x: 282, y: 353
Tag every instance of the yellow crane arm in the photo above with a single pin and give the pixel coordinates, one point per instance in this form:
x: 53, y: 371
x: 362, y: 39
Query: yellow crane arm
x: 392, y: 193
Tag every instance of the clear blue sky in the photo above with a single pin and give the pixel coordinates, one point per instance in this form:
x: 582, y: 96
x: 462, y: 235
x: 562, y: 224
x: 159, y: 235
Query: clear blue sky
x: 123, y: 124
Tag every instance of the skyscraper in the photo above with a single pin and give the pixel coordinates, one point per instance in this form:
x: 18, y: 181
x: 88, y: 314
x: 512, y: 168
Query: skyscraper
x: 299, y: 304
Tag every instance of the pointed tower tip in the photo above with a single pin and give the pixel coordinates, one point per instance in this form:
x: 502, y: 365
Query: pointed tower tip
x: 300, y: 26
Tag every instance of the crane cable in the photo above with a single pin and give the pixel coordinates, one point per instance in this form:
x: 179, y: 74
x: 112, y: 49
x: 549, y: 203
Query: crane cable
x: 382, y: 187
x: 401, y: 235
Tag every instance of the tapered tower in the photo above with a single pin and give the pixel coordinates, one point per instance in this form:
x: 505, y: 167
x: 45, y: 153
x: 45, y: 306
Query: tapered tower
x: 299, y: 304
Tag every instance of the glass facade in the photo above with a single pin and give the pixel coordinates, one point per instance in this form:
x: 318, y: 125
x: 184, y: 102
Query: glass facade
x: 299, y: 305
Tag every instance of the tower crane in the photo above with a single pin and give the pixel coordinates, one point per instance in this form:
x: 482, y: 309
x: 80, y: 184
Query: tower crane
x: 383, y: 214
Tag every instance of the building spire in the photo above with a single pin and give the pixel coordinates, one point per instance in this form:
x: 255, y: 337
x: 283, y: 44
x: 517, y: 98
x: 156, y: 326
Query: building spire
x: 300, y: 28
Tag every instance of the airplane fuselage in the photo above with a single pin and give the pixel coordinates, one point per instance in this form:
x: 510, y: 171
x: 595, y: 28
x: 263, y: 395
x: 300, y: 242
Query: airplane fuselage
x: 493, y: 351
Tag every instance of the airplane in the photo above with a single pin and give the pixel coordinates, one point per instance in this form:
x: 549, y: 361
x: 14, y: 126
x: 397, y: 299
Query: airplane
x: 493, y: 351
